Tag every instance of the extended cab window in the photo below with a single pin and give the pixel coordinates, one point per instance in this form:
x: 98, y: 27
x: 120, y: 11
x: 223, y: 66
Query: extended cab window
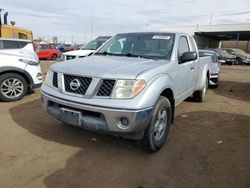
x: 191, y: 39
x: 183, y: 46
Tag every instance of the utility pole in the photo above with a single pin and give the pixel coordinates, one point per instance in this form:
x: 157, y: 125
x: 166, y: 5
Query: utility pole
x: 211, y: 17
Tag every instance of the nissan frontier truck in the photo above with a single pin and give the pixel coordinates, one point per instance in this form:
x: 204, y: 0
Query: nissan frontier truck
x: 129, y: 87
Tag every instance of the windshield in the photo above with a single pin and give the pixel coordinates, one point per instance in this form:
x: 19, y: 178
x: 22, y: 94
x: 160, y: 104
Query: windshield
x: 145, y: 45
x: 93, y: 45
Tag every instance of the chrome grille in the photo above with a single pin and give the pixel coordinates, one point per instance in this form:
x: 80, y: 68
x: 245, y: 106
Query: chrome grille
x: 106, y: 88
x: 84, y: 84
x: 55, y: 81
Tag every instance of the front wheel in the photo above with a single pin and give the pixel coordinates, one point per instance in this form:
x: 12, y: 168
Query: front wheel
x: 12, y: 87
x: 158, y: 128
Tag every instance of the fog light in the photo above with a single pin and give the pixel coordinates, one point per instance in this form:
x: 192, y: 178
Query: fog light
x: 124, y: 121
x: 39, y: 76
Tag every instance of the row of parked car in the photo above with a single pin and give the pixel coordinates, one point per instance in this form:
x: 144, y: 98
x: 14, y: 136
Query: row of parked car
x: 68, y: 52
x: 233, y: 56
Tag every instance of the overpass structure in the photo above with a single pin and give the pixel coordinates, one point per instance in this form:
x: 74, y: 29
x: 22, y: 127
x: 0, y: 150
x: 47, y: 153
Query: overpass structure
x: 210, y: 36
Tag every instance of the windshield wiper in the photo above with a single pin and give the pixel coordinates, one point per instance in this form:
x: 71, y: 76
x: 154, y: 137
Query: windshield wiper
x: 135, y: 55
x: 105, y: 53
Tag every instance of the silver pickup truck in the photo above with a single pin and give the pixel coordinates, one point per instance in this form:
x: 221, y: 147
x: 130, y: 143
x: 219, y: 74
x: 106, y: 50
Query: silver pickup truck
x: 129, y: 87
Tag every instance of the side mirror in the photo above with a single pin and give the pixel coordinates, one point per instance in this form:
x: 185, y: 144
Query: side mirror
x: 188, y: 56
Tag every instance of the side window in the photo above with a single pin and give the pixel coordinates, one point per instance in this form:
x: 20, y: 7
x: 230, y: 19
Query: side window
x: 183, y: 46
x: 1, y: 44
x: 8, y: 44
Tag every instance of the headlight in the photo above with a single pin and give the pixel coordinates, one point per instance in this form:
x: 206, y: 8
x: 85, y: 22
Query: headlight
x: 29, y: 62
x: 125, y: 89
x: 49, y: 77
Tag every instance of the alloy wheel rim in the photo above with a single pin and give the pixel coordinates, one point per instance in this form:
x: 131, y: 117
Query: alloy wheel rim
x: 160, y: 124
x: 12, y: 88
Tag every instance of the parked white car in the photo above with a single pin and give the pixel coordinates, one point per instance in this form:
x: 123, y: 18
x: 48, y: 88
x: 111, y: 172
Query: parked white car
x: 215, y: 68
x: 19, y: 72
x: 91, y: 47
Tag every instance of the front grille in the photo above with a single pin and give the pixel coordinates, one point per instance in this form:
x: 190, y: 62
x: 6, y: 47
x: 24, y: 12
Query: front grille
x: 106, y: 88
x: 55, y: 80
x: 84, y: 84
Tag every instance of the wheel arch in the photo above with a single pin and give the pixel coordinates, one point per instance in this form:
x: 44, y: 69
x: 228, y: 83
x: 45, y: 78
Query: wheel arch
x: 18, y: 71
x: 168, y: 93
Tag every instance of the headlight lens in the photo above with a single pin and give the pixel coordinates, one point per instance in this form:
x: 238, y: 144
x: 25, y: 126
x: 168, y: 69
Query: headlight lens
x: 125, y: 89
x: 29, y: 62
x: 49, y: 77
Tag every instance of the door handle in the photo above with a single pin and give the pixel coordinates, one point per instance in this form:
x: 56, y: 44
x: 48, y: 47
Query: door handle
x: 192, y: 68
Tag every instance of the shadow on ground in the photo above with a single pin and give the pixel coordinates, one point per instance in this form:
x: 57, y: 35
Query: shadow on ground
x: 234, y: 90
x: 204, y: 149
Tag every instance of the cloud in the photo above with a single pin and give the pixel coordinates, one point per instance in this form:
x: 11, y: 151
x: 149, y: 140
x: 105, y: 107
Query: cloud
x: 189, y: 1
x: 67, y: 18
x: 236, y: 13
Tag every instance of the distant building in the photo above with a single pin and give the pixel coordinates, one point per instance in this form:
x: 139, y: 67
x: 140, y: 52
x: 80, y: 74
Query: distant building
x: 214, y: 36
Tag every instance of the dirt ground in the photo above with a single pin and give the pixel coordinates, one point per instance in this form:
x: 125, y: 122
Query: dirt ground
x: 208, y: 145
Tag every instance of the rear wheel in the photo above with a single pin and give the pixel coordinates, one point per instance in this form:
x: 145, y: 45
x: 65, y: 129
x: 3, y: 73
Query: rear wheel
x: 200, y: 95
x: 158, y: 128
x: 12, y: 87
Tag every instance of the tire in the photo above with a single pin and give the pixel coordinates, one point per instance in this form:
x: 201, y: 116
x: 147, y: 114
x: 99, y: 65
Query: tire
x: 53, y: 57
x: 12, y: 87
x: 214, y: 86
x: 155, y: 137
x: 200, y: 95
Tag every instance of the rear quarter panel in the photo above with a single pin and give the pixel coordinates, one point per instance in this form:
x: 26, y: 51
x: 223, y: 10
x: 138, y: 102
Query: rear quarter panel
x: 204, y: 66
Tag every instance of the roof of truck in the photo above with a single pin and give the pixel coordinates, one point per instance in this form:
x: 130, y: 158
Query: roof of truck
x: 156, y: 32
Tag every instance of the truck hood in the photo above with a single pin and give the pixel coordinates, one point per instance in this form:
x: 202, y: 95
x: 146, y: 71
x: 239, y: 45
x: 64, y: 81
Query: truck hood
x: 79, y: 52
x: 107, y: 66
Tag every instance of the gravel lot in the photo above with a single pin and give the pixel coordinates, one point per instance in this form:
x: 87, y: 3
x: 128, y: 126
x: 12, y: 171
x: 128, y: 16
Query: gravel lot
x: 208, y: 145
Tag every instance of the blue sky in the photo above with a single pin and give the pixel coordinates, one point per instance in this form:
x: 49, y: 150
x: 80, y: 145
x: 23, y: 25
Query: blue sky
x: 72, y: 19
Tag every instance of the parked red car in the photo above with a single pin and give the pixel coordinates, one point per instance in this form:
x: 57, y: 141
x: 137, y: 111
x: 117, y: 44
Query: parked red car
x: 48, y: 52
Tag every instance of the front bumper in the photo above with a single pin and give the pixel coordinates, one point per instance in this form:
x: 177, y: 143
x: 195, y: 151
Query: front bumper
x: 100, y: 119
